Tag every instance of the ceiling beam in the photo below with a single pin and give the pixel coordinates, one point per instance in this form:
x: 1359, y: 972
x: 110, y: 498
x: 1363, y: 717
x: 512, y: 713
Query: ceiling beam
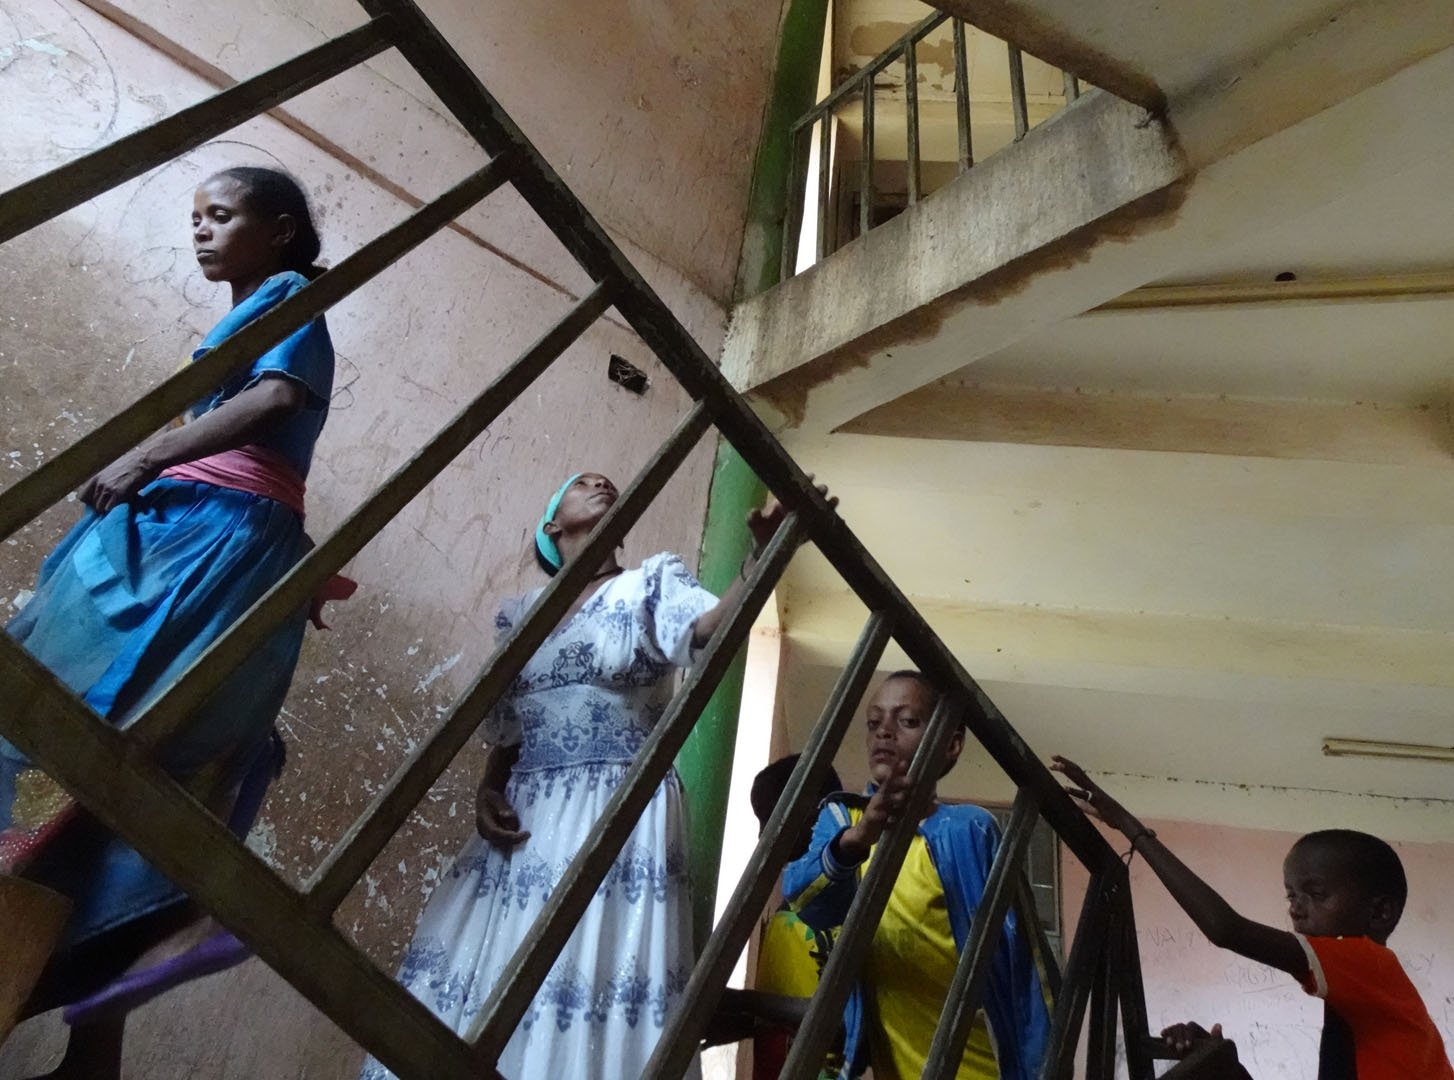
x: 1253, y: 661
x: 1324, y: 291
x: 1237, y: 701
x: 1408, y: 434
x: 925, y: 480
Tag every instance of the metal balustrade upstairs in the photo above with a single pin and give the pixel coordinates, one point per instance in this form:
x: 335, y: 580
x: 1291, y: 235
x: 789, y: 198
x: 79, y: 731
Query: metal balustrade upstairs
x: 114, y: 775
x: 864, y: 85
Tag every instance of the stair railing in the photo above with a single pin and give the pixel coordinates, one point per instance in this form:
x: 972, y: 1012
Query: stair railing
x: 114, y: 774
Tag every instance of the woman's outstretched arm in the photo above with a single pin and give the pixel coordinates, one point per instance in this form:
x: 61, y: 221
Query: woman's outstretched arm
x: 761, y: 523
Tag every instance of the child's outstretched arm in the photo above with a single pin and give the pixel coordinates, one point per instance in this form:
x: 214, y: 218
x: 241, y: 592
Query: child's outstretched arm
x: 1214, y: 917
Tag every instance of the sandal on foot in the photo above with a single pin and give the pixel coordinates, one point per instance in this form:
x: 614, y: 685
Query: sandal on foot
x: 217, y: 953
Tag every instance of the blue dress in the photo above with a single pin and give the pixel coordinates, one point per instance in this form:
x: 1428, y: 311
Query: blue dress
x: 130, y: 598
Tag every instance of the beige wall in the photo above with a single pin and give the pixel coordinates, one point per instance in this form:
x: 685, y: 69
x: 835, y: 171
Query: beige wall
x: 106, y: 301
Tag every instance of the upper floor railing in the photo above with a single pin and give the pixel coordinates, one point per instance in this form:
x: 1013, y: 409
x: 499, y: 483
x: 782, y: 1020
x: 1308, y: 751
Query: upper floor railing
x: 819, y: 188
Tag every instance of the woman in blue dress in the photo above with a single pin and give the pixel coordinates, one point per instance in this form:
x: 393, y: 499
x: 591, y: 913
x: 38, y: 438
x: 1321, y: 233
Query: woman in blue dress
x: 179, y: 538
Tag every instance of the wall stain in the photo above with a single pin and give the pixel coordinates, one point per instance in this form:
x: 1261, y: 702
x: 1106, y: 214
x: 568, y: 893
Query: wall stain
x: 1020, y: 23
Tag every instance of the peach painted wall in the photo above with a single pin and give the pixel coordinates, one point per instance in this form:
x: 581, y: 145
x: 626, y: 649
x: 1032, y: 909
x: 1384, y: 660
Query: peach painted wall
x: 1276, y: 1026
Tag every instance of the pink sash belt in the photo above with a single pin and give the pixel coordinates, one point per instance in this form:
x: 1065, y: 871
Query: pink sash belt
x: 250, y: 468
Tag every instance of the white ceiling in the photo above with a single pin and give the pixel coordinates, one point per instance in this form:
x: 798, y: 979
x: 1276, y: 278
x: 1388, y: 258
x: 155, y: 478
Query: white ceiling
x: 1403, y: 223
x: 1175, y: 47
x: 1389, y: 352
x: 1393, y: 352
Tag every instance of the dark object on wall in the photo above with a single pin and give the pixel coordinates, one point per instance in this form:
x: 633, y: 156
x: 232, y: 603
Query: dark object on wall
x: 624, y: 373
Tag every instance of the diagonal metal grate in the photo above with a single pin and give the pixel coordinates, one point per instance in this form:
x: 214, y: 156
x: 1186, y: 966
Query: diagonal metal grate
x: 113, y: 773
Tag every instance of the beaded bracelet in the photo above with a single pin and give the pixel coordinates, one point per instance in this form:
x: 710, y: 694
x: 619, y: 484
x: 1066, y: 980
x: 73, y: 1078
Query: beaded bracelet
x: 751, y: 560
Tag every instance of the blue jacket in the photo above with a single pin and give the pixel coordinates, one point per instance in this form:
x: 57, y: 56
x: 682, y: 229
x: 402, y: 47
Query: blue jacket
x: 962, y: 841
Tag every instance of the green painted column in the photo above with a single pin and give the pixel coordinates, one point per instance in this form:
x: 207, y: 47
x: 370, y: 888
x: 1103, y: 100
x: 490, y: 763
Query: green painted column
x: 703, y: 762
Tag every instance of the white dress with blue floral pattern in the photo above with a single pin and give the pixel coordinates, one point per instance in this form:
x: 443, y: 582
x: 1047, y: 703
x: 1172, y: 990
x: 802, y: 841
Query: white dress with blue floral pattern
x: 579, y: 711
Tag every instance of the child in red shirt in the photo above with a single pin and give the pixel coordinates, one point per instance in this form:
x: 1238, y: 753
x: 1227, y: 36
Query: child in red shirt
x: 1346, y: 891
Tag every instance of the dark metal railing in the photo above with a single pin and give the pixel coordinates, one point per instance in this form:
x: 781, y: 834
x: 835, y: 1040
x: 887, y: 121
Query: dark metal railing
x: 1017, y: 93
x: 862, y: 83
x: 113, y: 772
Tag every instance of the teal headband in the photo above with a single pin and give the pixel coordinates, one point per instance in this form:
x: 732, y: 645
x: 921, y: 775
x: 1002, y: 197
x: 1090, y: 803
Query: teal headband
x: 544, y: 543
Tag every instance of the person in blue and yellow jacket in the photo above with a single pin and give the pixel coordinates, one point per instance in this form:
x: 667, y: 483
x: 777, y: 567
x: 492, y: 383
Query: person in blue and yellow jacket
x: 790, y: 954
x: 891, y: 1016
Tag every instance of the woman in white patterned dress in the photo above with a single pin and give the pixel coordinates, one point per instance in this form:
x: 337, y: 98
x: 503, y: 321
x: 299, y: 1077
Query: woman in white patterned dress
x: 561, y: 740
